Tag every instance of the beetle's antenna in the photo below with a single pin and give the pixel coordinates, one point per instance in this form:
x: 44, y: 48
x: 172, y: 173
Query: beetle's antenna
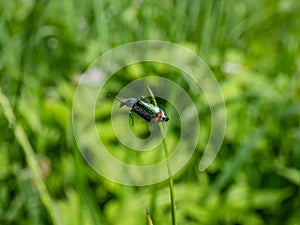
x: 115, y: 97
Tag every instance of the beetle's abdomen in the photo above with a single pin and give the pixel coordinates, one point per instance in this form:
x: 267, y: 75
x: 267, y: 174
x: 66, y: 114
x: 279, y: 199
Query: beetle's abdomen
x: 143, y: 112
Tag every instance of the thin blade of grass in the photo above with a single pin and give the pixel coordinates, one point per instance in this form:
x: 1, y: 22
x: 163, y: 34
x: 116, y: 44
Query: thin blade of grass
x: 166, y: 152
x: 30, y: 158
x: 148, y: 218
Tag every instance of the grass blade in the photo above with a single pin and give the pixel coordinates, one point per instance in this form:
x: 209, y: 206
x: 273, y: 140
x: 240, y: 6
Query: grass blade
x: 166, y: 152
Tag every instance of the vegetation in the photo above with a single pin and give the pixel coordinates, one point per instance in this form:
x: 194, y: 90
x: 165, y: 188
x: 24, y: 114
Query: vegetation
x: 253, y: 49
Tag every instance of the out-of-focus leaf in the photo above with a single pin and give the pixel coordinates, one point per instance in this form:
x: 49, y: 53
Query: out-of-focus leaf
x: 4, y: 161
x: 29, y: 106
x: 269, y: 198
x: 58, y: 112
x: 291, y: 174
x: 78, y: 214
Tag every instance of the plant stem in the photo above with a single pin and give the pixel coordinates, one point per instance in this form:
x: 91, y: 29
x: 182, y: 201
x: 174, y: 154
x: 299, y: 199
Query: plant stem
x: 23, y: 141
x: 148, y: 218
x: 166, y: 152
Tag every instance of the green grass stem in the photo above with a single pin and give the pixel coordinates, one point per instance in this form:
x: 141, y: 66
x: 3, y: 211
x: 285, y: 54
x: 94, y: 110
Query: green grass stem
x: 22, y: 139
x: 166, y: 153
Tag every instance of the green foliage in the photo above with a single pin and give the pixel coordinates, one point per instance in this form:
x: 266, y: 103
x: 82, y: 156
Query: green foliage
x: 251, y: 46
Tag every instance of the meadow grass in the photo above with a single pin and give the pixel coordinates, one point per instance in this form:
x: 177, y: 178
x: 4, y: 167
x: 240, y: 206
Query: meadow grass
x: 251, y: 46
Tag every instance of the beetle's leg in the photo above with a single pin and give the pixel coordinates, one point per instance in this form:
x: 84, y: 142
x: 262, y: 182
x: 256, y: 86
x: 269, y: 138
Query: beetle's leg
x: 154, y: 120
x: 143, y: 97
x: 150, y: 125
x: 151, y: 101
x: 132, y: 122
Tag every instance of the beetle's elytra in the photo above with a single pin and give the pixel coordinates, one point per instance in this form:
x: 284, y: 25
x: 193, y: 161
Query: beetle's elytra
x: 148, y: 111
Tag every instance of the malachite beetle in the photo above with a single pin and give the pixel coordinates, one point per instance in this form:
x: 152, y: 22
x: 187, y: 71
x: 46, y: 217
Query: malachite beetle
x: 145, y: 109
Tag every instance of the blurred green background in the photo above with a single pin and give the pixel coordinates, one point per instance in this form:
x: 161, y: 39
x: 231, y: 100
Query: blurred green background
x: 251, y: 46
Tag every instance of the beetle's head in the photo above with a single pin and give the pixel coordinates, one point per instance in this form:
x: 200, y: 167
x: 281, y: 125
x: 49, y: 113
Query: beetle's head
x: 165, y: 118
x: 162, y: 116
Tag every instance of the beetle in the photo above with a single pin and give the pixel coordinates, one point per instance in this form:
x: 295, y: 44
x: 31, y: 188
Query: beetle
x: 147, y: 110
